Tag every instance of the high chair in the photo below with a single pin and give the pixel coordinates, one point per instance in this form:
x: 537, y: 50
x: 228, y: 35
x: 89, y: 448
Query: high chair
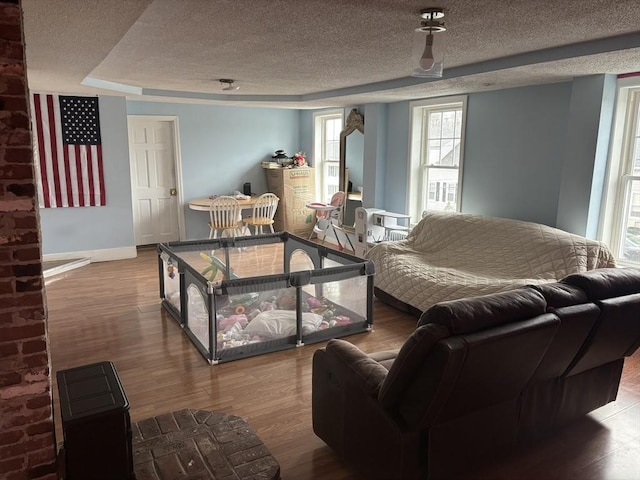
x: 326, y: 214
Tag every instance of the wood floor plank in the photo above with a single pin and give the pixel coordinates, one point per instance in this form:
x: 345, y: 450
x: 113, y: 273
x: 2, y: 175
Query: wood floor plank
x: 111, y: 311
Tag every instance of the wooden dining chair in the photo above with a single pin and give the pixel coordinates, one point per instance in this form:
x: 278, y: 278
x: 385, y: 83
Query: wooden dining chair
x: 224, y: 217
x: 263, y: 212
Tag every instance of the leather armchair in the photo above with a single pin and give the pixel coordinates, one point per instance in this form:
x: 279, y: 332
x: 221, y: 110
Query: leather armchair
x: 446, y: 400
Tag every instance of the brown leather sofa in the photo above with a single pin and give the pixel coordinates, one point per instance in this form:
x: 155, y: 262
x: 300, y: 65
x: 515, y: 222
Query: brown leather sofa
x: 477, y: 376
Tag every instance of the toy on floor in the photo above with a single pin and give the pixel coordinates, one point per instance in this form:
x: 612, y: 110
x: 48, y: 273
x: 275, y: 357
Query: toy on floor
x: 215, y: 265
x: 212, y: 269
x: 240, y: 310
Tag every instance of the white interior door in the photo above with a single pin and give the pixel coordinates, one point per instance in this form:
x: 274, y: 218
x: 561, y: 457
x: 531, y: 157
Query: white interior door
x: 152, y: 156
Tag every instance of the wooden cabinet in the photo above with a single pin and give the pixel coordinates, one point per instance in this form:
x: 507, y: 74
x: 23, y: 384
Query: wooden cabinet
x: 295, y: 187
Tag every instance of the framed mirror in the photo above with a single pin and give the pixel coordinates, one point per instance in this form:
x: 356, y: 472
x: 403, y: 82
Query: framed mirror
x: 352, y: 164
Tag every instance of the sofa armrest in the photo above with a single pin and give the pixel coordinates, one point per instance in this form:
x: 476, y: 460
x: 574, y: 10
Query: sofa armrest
x: 360, y: 369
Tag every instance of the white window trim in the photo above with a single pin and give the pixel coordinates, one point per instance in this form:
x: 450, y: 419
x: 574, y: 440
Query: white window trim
x: 317, y: 145
x: 415, y: 149
x: 614, y: 198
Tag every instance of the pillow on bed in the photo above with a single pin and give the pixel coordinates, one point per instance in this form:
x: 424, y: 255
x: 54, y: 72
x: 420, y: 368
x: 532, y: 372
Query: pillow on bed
x: 282, y: 323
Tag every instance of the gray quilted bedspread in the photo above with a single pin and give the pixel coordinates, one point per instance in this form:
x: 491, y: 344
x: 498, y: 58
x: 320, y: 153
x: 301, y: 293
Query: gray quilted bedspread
x: 449, y: 256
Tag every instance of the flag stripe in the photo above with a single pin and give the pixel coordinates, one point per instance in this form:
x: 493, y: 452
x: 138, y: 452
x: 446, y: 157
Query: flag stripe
x: 100, y: 174
x: 74, y: 172
x: 59, y: 149
x: 54, y: 150
x: 46, y: 129
x: 80, y: 168
x: 68, y: 181
x: 67, y: 143
x: 44, y: 181
x: 92, y: 195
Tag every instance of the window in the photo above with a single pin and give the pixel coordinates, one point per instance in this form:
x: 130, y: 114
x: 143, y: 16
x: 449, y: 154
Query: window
x: 622, y: 209
x: 437, y: 138
x: 326, y: 131
x: 635, y: 205
x: 432, y: 190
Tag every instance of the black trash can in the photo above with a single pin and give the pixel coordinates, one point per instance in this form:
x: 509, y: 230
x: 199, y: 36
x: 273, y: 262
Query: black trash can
x: 95, y: 423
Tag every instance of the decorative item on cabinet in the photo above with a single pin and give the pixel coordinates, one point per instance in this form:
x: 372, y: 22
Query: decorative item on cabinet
x: 282, y: 158
x: 299, y: 159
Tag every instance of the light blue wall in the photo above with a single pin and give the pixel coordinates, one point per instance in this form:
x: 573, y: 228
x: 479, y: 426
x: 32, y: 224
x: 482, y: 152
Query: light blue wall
x: 375, y: 153
x: 306, y: 135
x: 85, y: 229
x: 587, y: 146
x: 517, y: 143
x: 601, y: 154
x: 222, y: 147
x: 395, y: 173
x: 514, y: 152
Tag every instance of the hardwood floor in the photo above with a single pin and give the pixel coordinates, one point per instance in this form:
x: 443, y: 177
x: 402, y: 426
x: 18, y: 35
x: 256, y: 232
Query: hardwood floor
x: 111, y: 311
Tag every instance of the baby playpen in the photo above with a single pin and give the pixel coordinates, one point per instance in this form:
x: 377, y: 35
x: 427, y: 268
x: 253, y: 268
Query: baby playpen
x: 246, y: 296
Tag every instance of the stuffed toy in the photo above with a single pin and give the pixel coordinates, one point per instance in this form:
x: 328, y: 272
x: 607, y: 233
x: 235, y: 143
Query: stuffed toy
x: 228, y: 322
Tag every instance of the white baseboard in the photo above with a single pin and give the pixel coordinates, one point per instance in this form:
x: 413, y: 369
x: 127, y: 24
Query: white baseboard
x: 103, y: 255
x: 65, y: 267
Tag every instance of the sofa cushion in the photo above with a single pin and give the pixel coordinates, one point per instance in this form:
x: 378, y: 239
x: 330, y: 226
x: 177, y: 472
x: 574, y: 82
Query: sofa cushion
x: 490, y: 366
x: 385, y: 358
x: 560, y: 294
x: 410, y: 356
x: 362, y: 369
x: 479, y: 313
x: 607, y: 282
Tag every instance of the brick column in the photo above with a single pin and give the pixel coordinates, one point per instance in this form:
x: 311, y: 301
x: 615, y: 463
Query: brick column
x: 27, y: 442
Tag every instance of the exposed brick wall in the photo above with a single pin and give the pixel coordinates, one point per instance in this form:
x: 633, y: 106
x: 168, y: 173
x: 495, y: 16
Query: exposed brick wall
x: 27, y: 442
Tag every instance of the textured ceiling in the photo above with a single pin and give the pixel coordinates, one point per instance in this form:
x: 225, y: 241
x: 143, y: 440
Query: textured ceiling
x: 306, y: 53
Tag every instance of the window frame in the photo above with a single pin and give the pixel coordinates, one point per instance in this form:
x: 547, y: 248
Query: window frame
x: 418, y: 112
x: 320, y: 119
x: 617, y: 198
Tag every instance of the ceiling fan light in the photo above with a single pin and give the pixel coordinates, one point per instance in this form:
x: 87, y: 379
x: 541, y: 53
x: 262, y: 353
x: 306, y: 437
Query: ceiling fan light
x: 427, y: 55
x: 427, y: 60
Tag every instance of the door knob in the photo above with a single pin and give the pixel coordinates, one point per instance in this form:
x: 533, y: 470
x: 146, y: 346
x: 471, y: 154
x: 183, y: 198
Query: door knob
x: 173, y: 192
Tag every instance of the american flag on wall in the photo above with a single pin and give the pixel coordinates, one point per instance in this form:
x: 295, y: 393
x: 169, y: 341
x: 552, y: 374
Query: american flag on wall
x: 68, y: 151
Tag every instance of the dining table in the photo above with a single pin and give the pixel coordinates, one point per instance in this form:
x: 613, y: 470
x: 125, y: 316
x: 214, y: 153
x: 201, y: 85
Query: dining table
x: 202, y: 203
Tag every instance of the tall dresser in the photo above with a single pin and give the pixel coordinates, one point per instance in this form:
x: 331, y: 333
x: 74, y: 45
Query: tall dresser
x: 295, y: 187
